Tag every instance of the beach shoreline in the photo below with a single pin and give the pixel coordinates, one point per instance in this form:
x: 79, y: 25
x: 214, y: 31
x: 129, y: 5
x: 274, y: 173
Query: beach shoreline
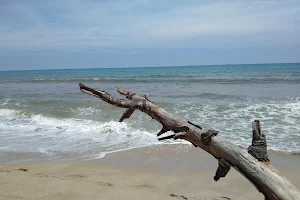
x: 155, y: 156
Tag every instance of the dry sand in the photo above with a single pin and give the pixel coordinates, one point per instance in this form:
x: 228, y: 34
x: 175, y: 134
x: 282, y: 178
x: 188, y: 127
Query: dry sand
x: 147, y: 173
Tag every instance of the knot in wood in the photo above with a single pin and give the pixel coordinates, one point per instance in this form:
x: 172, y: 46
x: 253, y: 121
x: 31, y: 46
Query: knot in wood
x: 129, y: 95
x: 207, y: 135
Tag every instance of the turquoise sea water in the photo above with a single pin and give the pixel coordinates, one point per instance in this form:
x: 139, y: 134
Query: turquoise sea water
x: 43, y: 111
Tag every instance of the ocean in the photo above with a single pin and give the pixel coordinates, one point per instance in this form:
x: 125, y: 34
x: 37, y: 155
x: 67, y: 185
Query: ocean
x: 43, y: 114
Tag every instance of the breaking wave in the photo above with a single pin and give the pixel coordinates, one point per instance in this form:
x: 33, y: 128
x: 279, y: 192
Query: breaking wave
x: 26, y: 132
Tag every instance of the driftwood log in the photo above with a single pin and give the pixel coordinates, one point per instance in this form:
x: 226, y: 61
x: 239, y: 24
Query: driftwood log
x: 252, y: 163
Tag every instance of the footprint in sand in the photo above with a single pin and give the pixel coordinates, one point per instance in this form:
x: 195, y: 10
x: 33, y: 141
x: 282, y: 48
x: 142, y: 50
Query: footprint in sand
x: 23, y: 169
x: 4, y: 170
x: 227, y: 198
x: 41, y: 175
x: 19, y: 169
x: 221, y: 197
x: 75, y: 177
x: 106, y: 184
x: 145, y: 186
x: 178, y: 196
x: 195, y: 198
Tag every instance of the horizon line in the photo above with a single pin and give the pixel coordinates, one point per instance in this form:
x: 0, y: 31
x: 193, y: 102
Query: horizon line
x: 203, y: 65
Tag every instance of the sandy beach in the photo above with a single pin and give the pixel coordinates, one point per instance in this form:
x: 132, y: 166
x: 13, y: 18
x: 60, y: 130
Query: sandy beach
x: 158, y: 172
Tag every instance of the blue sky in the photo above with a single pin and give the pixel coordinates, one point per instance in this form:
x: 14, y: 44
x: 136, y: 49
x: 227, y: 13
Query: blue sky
x: 136, y: 33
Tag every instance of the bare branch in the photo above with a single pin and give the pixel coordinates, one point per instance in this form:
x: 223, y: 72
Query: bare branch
x: 195, y: 125
x: 128, y: 112
x: 166, y: 137
x: 105, y: 97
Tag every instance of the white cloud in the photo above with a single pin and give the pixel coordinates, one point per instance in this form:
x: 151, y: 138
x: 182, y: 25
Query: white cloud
x: 80, y: 24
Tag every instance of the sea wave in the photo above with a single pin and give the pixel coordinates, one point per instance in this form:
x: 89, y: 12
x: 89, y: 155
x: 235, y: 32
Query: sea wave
x: 23, y: 132
x: 208, y: 95
x: 76, y: 107
x: 90, y: 129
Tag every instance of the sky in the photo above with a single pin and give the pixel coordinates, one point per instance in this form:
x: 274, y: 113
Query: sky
x: 54, y: 34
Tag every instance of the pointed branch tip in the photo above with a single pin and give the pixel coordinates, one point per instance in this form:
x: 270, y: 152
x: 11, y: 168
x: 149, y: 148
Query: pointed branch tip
x: 166, y: 137
x: 195, y: 125
x: 128, y: 112
x: 162, y: 131
x: 122, y: 91
x: 223, y: 169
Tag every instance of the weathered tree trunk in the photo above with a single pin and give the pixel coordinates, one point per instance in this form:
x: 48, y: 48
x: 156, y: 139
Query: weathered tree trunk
x: 255, y: 165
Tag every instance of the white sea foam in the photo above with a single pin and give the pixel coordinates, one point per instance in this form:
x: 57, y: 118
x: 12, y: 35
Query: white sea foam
x: 5, y: 102
x: 86, y: 111
x: 20, y: 132
x: 7, y: 112
x: 280, y: 121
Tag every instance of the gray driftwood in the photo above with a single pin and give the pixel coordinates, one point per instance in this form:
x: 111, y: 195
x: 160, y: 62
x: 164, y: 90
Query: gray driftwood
x: 263, y: 176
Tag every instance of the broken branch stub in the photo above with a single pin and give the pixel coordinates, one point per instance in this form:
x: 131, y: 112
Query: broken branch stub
x: 262, y: 176
x: 258, y: 149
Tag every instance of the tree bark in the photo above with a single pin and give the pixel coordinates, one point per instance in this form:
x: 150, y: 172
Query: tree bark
x: 262, y: 174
